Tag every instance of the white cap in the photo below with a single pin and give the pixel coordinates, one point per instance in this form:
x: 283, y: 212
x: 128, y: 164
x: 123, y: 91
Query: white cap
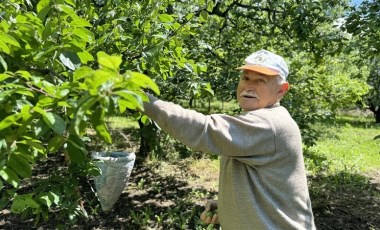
x: 266, y: 62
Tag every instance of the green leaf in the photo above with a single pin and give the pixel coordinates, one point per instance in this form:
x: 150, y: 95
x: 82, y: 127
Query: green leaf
x: 165, y: 18
x: 24, y: 74
x: 144, y: 81
x: 55, y: 197
x: 111, y: 62
x: 124, y: 104
x: 68, y: 10
x: 49, y: 29
x: 18, y: 205
x: 6, y: 38
x: 210, y: 6
x: 4, y: 47
x: 98, y: 80
x: 55, y: 144
x: 75, y: 149
x: 62, y: 93
x: 70, y: 2
x: 3, y: 144
x: 21, y: 202
x: 4, y: 76
x: 10, y: 120
x: 24, y: 92
x: 70, y: 60
x: 35, y: 144
x: 100, y: 126
x: 4, y: 64
x: 47, y: 200
x: 83, y: 72
x: 85, y: 57
x: 92, y: 170
x: 145, y: 120
x: 40, y: 128
x: 54, y: 121
x: 84, y: 34
x: 130, y: 100
x: 203, y: 15
x: 88, y: 102
x: 80, y: 22
x: 9, y: 176
x: 20, y: 165
x: 43, y: 8
x: 189, y: 16
x: 31, y: 203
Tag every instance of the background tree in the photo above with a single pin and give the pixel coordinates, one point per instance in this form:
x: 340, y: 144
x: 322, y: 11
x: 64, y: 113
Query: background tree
x: 362, y: 23
x: 294, y: 29
x: 373, y: 97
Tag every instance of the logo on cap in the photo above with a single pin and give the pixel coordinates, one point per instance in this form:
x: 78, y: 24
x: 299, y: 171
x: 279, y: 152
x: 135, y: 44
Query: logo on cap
x: 261, y: 58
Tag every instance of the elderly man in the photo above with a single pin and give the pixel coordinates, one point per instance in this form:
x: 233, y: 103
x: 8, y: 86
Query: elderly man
x: 262, y: 183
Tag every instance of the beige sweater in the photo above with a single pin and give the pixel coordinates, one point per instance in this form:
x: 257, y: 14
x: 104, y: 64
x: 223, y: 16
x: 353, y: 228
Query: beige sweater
x: 262, y: 181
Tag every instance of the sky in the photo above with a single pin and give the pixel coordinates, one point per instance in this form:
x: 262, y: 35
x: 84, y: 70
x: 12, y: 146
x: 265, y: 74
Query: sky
x: 356, y: 2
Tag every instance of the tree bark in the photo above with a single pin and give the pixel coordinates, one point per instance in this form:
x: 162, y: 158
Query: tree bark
x: 148, y: 139
x: 376, y: 112
x: 377, y: 116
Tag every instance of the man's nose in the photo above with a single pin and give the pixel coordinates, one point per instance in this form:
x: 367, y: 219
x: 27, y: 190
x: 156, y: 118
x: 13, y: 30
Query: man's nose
x: 250, y: 86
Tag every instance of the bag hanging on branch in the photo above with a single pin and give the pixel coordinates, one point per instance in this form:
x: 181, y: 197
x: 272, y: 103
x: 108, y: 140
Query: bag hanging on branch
x: 115, y: 167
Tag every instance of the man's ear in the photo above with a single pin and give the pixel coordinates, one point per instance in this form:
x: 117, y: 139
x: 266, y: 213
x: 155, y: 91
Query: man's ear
x: 283, y: 89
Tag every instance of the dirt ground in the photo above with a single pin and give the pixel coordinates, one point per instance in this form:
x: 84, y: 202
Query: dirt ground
x: 172, y: 195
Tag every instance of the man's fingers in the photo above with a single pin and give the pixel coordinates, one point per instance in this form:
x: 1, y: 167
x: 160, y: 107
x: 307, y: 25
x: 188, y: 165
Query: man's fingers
x: 215, y: 219
x: 209, y: 219
x: 208, y: 216
x: 203, y: 216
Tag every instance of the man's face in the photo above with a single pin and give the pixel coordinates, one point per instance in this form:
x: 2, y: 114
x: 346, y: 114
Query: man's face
x: 256, y: 91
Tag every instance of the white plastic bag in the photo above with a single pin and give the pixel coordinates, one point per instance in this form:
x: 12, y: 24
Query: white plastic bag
x: 116, y: 167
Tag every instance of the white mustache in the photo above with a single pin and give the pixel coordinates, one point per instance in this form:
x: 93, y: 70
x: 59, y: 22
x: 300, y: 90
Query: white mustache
x: 248, y: 94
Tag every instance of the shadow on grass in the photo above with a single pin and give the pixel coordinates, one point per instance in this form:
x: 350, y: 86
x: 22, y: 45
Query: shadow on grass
x: 357, y: 122
x: 343, y: 200
x: 154, y: 201
x: 150, y: 201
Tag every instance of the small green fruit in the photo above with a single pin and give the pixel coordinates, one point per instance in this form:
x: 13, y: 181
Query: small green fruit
x: 209, y: 213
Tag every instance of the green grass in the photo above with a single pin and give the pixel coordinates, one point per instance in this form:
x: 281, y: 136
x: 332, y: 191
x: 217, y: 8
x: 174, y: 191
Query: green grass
x: 122, y: 122
x: 349, y: 144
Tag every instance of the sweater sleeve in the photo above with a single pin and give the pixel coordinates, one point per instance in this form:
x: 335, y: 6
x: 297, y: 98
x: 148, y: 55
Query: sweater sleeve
x: 218, y: 134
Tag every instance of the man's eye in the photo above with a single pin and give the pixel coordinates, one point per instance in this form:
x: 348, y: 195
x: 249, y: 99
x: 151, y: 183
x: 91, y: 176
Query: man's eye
x: 261, y: 80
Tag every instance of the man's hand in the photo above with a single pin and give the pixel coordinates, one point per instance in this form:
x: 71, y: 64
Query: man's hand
x: 210, y: 214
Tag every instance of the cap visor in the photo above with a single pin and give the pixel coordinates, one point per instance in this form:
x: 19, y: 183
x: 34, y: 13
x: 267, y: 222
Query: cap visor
x: 259, y: 69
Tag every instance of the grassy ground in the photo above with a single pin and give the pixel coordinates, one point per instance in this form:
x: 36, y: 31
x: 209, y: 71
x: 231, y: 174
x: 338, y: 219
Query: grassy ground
x: 344, y: 174
x: 350, y: 144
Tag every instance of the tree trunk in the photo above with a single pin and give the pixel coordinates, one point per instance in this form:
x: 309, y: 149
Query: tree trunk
x: 376, y: 112
x: 148, y: 139
x: 377, y: 116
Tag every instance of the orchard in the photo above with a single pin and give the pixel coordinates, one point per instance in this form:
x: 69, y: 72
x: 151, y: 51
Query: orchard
x: 68, y: 66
